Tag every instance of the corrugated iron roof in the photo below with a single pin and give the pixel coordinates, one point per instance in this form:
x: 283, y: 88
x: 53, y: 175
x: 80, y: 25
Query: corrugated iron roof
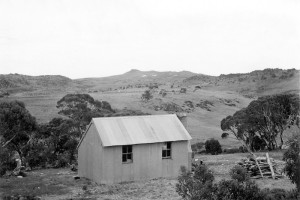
x: 130, y: 130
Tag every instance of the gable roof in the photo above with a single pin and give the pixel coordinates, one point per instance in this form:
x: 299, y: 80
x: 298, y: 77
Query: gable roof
x: 129, y: 130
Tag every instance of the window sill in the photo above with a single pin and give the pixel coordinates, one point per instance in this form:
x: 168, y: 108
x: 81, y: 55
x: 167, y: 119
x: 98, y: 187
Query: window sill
x: 170, y: 158
x: 129, y: 162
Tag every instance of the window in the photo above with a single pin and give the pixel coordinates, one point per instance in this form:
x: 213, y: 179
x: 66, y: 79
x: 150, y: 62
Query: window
x: 127, y: 154
x: 166, y: 150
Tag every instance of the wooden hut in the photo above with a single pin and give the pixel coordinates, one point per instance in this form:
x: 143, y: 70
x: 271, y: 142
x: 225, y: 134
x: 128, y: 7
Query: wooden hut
x: 119, y: 149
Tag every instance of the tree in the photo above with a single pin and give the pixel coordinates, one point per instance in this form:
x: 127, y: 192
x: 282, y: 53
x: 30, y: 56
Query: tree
x: 292, y: 159
x: 61, y: 137
x: 17, y: 126
x: 146, y: 96
x: 82, y: 108
x: 213, y: 146
x: 267, y: 118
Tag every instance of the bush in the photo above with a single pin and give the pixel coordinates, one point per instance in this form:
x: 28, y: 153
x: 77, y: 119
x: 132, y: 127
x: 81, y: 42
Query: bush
x: 6, y: 161
x: 242, y: 149
x: 292, y: 159
x: 239, y: 173
x: 197, y: 146
x: 224, y: 135
x: 200, y: 186
x: 62, y: 161
x: 279, y: 194
x: 146, y: 96
x: 234, y: 190
x: 197, y: 186
x: 37, y: 155
x: 213, y: 147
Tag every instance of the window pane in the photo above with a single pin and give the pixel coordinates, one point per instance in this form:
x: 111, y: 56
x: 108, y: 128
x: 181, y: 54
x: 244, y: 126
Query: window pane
x: 124, y: 149
x: 164, y: 154
x: 129, y: 149
x: 168, y: 145
x: 129, y: 156
x: 124, y: 158
x: 168, y: 153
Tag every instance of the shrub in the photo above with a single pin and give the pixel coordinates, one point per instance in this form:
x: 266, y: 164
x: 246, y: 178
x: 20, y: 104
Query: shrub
x: 234, y: 190
x: 197, y: 146
x: 239, y: 173
x: 6, y: 161
x: 213, y: 147
x: 279, y: 194
x: 146, y: 96
x: 197, y: 186
x: 62, y: 161
x: 224, y: 135
x: 292, y: 159
x: 242, y: 149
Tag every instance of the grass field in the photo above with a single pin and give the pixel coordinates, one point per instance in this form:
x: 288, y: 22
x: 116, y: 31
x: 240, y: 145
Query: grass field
x: 60, y: 184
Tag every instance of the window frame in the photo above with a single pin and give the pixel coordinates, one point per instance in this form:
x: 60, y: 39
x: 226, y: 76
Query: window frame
x: 166, y: 150
x: 128, y: 153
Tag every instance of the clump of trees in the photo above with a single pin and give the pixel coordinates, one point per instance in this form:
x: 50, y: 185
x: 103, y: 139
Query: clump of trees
x: 265, y: 119
x: 51, y: 144
x: 17, y: 127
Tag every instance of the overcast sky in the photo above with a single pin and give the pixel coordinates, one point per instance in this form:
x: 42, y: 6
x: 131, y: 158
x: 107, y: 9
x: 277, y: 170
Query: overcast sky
x: 96, y: 38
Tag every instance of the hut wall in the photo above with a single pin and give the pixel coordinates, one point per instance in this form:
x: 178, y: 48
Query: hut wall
x: 147, y: 163
x: 90, y: 155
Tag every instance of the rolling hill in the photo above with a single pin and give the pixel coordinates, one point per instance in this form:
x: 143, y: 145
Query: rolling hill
x: 206, y: 101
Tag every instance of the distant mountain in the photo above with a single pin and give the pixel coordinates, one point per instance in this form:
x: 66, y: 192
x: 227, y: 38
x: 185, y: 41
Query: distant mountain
x: 134, y: 78
x: 19, y: 83
x: 259, y: 82
x: 256, y: 83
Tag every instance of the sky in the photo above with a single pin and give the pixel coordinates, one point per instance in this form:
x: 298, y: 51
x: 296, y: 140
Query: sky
x: 98, y: 38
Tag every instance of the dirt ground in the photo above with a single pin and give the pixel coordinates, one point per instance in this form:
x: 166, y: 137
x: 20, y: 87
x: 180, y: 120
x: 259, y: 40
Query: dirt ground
x: 60, y: 183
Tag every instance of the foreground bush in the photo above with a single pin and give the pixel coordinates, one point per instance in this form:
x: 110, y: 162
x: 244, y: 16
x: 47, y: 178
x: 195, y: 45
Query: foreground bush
x: 239, y: 174
x: 199, y: 185
x: 195, y: 186
x: 234, y: 190
x: 279, y: 194
x: 292, y: 159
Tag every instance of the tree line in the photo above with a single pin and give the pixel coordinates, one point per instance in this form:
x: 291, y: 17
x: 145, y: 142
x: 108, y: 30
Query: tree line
x: 51, y: 144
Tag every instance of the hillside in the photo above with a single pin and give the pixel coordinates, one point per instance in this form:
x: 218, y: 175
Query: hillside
x: 256, y: 83
x: 17, y: 83
x: 207, y: 100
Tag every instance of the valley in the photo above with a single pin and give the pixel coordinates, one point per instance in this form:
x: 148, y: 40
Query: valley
x: 206, y: 99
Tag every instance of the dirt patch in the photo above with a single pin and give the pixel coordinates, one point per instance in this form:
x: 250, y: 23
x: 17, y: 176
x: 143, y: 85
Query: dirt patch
x: 59, y: 184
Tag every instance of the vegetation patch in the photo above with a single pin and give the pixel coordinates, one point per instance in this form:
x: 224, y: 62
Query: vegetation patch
x: 205, y: 104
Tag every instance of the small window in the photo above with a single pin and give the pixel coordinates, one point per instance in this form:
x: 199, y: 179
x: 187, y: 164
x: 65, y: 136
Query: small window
x: 166, y: 150
x: 127, y: 154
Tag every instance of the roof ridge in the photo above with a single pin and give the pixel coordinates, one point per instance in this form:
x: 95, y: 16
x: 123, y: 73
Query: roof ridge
x: 136, y: 116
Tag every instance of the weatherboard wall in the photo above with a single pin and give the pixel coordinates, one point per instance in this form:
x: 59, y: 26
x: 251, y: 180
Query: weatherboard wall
x: 104, y: 164
x: 147, y: 162
x: 90, y: 155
